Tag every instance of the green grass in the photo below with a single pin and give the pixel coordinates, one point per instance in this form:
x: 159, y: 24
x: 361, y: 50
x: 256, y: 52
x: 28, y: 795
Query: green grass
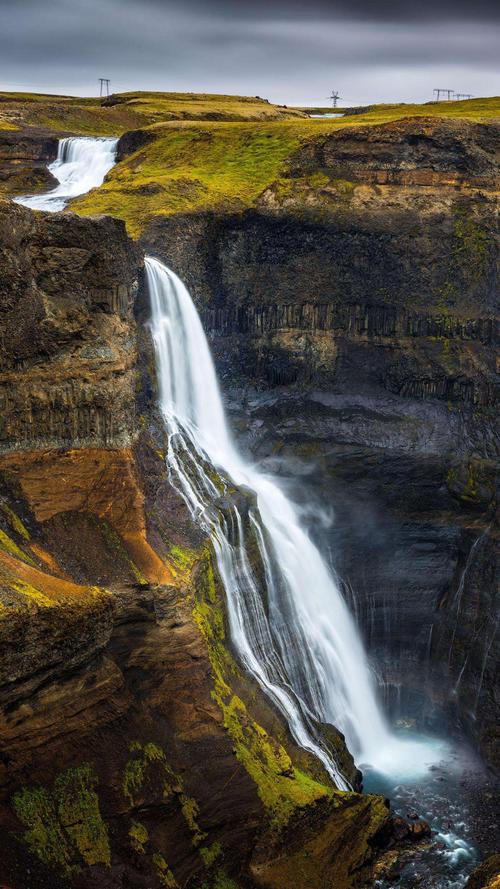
x: 468, y: 109
x: 210, y: 152
x: 88, y: 116
x: 202, y: 167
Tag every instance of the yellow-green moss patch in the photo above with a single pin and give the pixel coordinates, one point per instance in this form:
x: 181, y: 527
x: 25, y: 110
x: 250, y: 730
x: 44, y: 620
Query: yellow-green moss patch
x: 281, y: 786
x: 139, y: 837
x: 11, y: 547
x: 64, y: 827
x: 163, y: 872
x: 148, y: 763
x: 182, y: 558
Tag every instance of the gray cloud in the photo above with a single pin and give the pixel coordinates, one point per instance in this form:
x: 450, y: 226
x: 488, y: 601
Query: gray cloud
x: 289, y: 52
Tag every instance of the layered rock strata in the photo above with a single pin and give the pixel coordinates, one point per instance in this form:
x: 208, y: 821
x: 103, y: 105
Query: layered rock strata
x: 133, y: 751
x: 353, y: 315
x: 67, y: 331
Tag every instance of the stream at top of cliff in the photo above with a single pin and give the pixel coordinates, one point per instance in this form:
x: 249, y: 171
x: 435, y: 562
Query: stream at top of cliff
x: 81, y: 164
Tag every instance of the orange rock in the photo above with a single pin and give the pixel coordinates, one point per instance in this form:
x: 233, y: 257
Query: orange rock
x: 97, y: 481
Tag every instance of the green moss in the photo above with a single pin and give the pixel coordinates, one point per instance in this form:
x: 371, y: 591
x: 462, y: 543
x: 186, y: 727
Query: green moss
x: 14, y: 521
x: 210, y: 854
x: 30, y: 593
x: 44, y: 835
x: 149, y: 764
x: 65, y: 827
x: 199, y: 167
x: 282, y: 787
x: 190, y: 811
x: 163, y: 872
x: 472, y: 247
x: 139, y: 837
x: 78, y: 809
x: 182, y: 558
x: 469, y: 492
x: 9, y: 545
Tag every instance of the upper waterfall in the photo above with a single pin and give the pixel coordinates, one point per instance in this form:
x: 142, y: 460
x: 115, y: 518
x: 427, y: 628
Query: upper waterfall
x: 288, y: 619
x: 81, y: 164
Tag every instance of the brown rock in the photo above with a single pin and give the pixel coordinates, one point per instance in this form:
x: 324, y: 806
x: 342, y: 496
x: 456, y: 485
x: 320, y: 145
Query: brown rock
x: 67, y: 332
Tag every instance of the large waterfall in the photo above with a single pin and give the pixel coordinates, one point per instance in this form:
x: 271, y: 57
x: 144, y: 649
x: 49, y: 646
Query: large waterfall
x: 288, y: 619
x: 81, y: 164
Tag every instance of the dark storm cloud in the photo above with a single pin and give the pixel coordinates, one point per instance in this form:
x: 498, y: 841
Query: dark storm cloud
x: 367, y: 10
x: 288, y: 51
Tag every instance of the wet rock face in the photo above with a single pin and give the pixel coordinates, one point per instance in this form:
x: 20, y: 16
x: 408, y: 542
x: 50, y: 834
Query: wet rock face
x: 67, y: 330
x: 354, y: 322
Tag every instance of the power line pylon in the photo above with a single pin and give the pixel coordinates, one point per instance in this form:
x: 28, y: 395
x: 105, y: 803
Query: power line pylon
x: 447, y: 93
x: 104, y: 86
x: 334, y: 98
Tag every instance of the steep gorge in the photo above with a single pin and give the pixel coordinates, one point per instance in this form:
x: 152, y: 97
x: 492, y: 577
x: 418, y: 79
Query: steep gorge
x: 352, y: 316
x: 133, y: 750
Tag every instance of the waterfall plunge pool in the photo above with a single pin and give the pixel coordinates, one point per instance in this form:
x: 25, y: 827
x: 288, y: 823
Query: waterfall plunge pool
x: 456, y: 797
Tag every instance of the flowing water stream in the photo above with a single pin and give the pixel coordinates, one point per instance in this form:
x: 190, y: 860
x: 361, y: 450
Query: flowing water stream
x: 288, y: 619
x: 81, y: 164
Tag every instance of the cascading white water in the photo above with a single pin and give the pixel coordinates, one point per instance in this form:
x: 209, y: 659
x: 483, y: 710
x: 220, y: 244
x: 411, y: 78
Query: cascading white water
x: 81, y: 164
x: 288, y: 620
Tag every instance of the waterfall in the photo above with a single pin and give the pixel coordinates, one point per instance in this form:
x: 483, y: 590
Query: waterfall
x: 288, y: 620
x: 81, y: 164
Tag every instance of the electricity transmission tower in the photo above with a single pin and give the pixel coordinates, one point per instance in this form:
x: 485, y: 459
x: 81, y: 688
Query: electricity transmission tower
x: 447, y: 93
x: 334, y: 98
x: 104, y: 86
x: 463, y: 96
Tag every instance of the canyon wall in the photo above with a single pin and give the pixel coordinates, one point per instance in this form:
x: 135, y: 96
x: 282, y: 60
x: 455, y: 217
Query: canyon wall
x: 133, y: 751
x: 353, y: 314
x: 68, y: 337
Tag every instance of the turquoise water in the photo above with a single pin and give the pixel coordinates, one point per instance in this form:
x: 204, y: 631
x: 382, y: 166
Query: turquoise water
x: 439, y: 795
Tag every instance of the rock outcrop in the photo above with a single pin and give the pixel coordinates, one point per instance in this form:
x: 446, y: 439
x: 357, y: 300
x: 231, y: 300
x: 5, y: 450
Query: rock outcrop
x: 67, y: 332
x: 24, y: 158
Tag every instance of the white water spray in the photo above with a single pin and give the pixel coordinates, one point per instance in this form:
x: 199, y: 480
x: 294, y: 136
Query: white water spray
x: 288, y: 620
x: 81, y: 164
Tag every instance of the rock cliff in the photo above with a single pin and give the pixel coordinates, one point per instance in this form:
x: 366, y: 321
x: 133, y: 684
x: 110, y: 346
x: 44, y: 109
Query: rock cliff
x: 68, y: 360
x: 353, y: 313
x: 133, y: 751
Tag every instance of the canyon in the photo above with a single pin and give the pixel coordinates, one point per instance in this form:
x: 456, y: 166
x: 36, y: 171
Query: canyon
x: 352, y: 313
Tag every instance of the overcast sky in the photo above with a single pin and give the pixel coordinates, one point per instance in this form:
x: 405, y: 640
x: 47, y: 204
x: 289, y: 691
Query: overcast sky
x: 288, y: 51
